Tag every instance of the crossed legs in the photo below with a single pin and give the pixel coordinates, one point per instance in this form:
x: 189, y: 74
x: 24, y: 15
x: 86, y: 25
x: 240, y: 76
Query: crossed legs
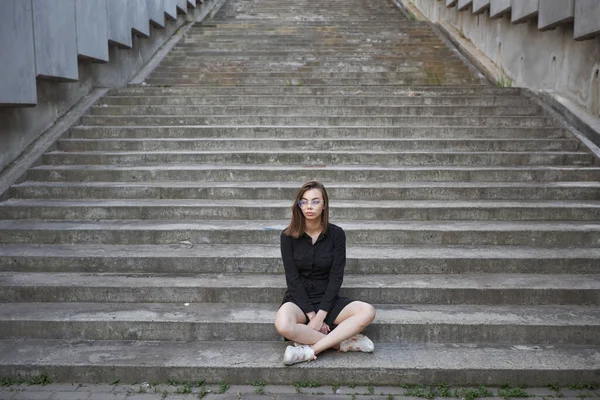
x: 290, y: 323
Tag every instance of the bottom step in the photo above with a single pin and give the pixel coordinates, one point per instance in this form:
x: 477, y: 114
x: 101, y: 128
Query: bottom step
x: 244, y: 363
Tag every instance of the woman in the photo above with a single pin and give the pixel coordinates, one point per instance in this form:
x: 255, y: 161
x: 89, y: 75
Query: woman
x: 314, y: 257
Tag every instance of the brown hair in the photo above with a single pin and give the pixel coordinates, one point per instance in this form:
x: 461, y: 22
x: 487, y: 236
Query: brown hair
x: 296, y: 228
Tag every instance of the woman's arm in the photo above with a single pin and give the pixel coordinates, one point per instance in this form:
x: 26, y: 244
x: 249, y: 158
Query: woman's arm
x: 336, y: 274
x: 292, y: 277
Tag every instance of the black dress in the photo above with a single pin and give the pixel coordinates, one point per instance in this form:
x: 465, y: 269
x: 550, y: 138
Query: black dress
x: 314, y: 272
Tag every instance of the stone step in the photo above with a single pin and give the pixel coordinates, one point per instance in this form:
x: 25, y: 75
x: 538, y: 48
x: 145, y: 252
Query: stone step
x: 329, y: 90
x: 253, y: 322
x: 303, y: 173
x: 178, y: 210
x: 478, y: 289
x: 313, y: 158
x: 237, y: 363
x: 319, y: 132
x: 338, y: 190
x: 319, y: 121
x: 319, y: 110
x: 412, y: 79
x: 188, y: 258
x: 307, y: 101
x: 460, y: 233
x: 317, y: 144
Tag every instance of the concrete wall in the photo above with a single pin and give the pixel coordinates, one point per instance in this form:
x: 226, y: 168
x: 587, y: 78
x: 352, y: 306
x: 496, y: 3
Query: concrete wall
x: 549, y: 60
x: 20, y: 126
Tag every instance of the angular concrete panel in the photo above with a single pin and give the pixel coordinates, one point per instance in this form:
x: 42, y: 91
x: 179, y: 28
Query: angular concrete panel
x: 17, y: 80
x: 555, y: 12
x: 480, y: 6
x: 524, y: 10
x: 119, y: 23
x: 464, y: 4
x: 182, y: 6
x: 191, y: 3
x: 92, y: 29
x: 156, y: 13
x: 587, y: 19
x: 171, y: 9
x: 499, y: 7
x: 138, y: 9
x: 450, y: 3
x: 55, y: 39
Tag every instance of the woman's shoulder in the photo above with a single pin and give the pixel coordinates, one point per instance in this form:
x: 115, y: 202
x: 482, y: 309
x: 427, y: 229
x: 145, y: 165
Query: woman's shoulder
x: 335, y: 229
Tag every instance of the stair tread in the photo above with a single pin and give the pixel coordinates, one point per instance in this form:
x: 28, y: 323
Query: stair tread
x: 250, y: 251
x: 393, y: 357
x: 264, y: 281
x: 261, y: 313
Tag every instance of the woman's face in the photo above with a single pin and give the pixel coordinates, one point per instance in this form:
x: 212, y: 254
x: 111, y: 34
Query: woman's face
x: 311, y: 204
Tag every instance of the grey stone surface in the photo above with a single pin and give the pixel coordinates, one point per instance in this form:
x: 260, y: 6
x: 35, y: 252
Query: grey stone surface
x: 499, y: 7
x: 450, y: 3
x: 171, y: 9
x: 524, y: 10
x: 92, y: 29
x: 17, y: 81
x: 216, y: 361
x: 73, y: 395
x: 480, y: 6
x: 21, y: 126
x: 253, y: 322
x: 587, y: 19
x: 555, y: 12
x: 32, y: 395
x: 191, y: 3
x: 138, y: 10
x: 55, y: 39
x: 464, y: 4
x: 182, y: 6
x: 120, y: 22
x: 156, y: 12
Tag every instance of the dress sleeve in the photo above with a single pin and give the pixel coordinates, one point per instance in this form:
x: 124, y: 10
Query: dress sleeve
x: 292, y: 277
x: 336, y: 274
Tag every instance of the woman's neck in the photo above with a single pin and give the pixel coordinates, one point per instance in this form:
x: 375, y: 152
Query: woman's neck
x: 312, y: 226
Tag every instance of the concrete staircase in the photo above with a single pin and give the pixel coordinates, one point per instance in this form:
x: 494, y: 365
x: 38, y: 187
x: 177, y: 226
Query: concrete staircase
x: 144, y: 245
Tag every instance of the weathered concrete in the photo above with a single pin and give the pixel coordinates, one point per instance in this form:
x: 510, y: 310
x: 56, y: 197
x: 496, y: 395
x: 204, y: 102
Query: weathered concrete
x: 524, y: 10
x: 120, y: 22
x: 55, y: 39
x: 480, y: 6
x: 213, y: 361
x: 141, y: 17
x: 555, y: 12
x: 464, y: 4
x: 21, y: 126
x: 587, y: 19
x: 92, y: 29
x: 171, y: 9
x: 499, y: 7
x: 17, y: 85
x: 549, y: 61
x: 156, y: 13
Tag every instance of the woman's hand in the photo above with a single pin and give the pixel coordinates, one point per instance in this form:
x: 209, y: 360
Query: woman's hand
x: 325, y: 329
x: 316, y: 324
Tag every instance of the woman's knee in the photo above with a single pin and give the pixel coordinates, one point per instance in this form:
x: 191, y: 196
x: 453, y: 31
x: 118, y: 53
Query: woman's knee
x: 284, y: 327
x: 366, y: 313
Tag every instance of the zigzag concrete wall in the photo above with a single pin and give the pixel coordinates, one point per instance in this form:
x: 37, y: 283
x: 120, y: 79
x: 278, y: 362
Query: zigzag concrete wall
x: 44, y: 39
x: 548, y: 45
x: 56, y: 52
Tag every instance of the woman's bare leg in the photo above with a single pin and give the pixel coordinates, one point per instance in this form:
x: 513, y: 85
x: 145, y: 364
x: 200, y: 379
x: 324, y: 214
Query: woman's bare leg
x: 290, y: 323
x: 355, y: 317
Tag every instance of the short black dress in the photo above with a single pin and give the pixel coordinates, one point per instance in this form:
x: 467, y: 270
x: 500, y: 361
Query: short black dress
x: 314, y: 272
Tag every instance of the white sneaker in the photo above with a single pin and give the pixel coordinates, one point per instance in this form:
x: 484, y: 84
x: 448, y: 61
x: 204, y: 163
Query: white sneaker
x: 296, y: 354
x: 357, y: 343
